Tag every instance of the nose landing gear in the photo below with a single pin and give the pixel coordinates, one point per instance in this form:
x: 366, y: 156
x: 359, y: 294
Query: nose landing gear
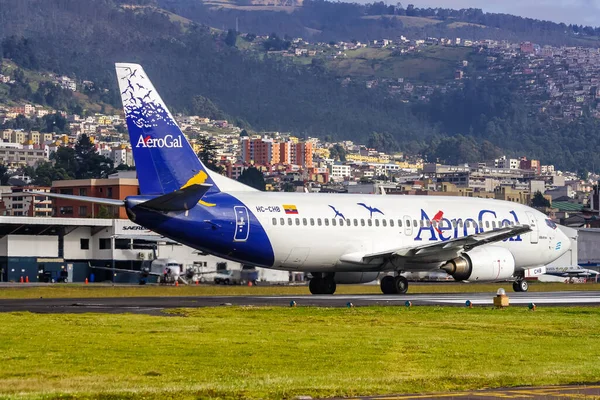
x: 520, y: 285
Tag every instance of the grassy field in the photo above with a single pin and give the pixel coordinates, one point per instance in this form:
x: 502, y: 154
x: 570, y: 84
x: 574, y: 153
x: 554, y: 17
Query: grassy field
x: 102, y: 290
x: 407, y: 21
x: 430, y: 64
x: 233, y: 352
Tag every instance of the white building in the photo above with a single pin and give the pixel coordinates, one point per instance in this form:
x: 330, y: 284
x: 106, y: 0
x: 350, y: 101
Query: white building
x: 338, y: 172
x: 29, y: 245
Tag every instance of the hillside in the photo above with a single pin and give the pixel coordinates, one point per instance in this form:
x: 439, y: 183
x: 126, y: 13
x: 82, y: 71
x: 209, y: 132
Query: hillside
x: 322, y: 20
x: 197, y: 72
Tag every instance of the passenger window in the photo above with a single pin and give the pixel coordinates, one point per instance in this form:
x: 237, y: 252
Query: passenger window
x: 326, y: 221
x: 274, y: 221
x: 377, y: 222
x: 493, y: 224
x: 428, y: 223
x: 298, y: 221
x: 392, y: 223
x: 362, y: 222
x: 369, y: 222
x: 312, y: 222
x: 460, y: 223
x: 414, y: 223
x: 355, y: 222
x: 487, y: 224
x: 333, y: 222
x: 281, y: 221
x: 304, y: 221
x: 290, y: 222
x: 422, y: 223
x: 341, y: 222
x: 348, y: 222
x: 319, y: 221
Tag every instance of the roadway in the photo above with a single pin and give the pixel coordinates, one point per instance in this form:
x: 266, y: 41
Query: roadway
x: 155, y: 305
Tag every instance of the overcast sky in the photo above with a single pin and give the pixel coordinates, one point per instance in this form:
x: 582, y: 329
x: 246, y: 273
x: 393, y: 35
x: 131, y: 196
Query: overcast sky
x: 580, y: 12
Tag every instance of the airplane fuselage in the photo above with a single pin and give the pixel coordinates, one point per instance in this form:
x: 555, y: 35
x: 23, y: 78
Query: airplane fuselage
x: 306, y: 232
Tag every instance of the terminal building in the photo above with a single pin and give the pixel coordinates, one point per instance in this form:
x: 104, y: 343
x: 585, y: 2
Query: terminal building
x: 71, y: 247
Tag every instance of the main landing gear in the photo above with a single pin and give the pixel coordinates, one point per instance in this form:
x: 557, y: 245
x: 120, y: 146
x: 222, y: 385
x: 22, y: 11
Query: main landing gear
x: 520, y: 285
x: 394, y: 284
x: 322, y: 283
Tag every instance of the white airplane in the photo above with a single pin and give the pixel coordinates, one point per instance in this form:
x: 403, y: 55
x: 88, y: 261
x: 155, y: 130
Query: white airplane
x: 338, y: 238
x: 574, y: 271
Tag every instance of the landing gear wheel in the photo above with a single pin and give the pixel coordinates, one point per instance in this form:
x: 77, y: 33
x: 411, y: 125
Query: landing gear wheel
x: 400, y: 284
x: 387, y: 285
x: 520, y: 285
x: 329, y: 286
x: 319, y: 285
x: 314, y: 285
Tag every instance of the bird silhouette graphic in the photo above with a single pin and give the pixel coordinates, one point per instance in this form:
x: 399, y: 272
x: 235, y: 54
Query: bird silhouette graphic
x: 140, y: 86
x: 337, y: 213
x: 371, y: 209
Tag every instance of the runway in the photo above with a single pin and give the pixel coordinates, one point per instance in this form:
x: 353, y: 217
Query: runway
x: 591, y: 391
x: 155, y: 305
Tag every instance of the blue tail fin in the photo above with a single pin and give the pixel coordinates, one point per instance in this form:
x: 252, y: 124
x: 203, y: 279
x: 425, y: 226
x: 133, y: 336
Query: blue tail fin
x: 164, y: 159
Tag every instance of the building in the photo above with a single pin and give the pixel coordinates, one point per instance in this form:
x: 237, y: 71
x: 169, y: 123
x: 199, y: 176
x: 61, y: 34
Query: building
x: 261, y: 151
x: 112, y: 188
x: 339, y: 172
x: 14, y: 155
x: 534, y: 165
x: 19, y: 204
x: 30, y: 247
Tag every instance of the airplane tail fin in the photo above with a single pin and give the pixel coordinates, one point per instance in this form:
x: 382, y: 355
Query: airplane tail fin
x: 165, y: 161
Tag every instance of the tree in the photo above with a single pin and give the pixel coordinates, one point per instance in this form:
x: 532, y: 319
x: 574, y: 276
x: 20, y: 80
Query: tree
x: 45, y: 173
x: 231, y: 38
x: 208, y: 154
x: 254, y: 178
x: 539, y: 200
x: 65, y: 158
x: 90, y: 163
x: 337, y: 152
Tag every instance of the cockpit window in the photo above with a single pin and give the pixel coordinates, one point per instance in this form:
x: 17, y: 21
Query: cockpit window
x: 551, y: 224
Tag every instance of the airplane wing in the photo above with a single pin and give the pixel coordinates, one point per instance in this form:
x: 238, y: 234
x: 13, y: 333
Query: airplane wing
x: 438, y: 251
x: 129, y: 271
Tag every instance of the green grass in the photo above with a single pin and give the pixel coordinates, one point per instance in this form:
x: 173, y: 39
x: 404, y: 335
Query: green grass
x: 434, y: 63
x: 234, y: 352
x: 101, y: 290
x: 407, y: 21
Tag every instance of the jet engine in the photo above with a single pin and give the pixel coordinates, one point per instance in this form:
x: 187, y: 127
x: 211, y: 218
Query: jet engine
x: 355, y: 277
x: 484, y: 263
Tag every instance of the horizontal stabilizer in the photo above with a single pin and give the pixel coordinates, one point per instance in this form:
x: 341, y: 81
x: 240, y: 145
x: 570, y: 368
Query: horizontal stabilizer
x: 179, y: 200
x: 87, y: 199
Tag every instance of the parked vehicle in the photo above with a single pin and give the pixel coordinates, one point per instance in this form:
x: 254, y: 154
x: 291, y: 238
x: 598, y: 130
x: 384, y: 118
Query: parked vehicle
x: 228, y: 277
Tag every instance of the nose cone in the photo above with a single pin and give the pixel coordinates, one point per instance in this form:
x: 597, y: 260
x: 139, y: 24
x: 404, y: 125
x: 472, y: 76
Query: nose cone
x: 563, y: 239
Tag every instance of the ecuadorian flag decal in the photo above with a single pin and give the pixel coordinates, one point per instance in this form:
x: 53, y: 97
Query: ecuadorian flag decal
x: 290, y: 209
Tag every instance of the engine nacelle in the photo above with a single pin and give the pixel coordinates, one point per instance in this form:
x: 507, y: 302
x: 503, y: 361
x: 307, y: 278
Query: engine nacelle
x: 355, y: 277
x: 484, y: 263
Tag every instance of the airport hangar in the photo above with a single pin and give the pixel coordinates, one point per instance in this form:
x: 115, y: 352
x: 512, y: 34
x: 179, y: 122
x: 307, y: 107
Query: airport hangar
x: 29, y: 245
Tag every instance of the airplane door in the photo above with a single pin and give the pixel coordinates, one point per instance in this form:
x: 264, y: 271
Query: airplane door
x: 535, y: 232
x: 242, y: 224
x: 407, y: 225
